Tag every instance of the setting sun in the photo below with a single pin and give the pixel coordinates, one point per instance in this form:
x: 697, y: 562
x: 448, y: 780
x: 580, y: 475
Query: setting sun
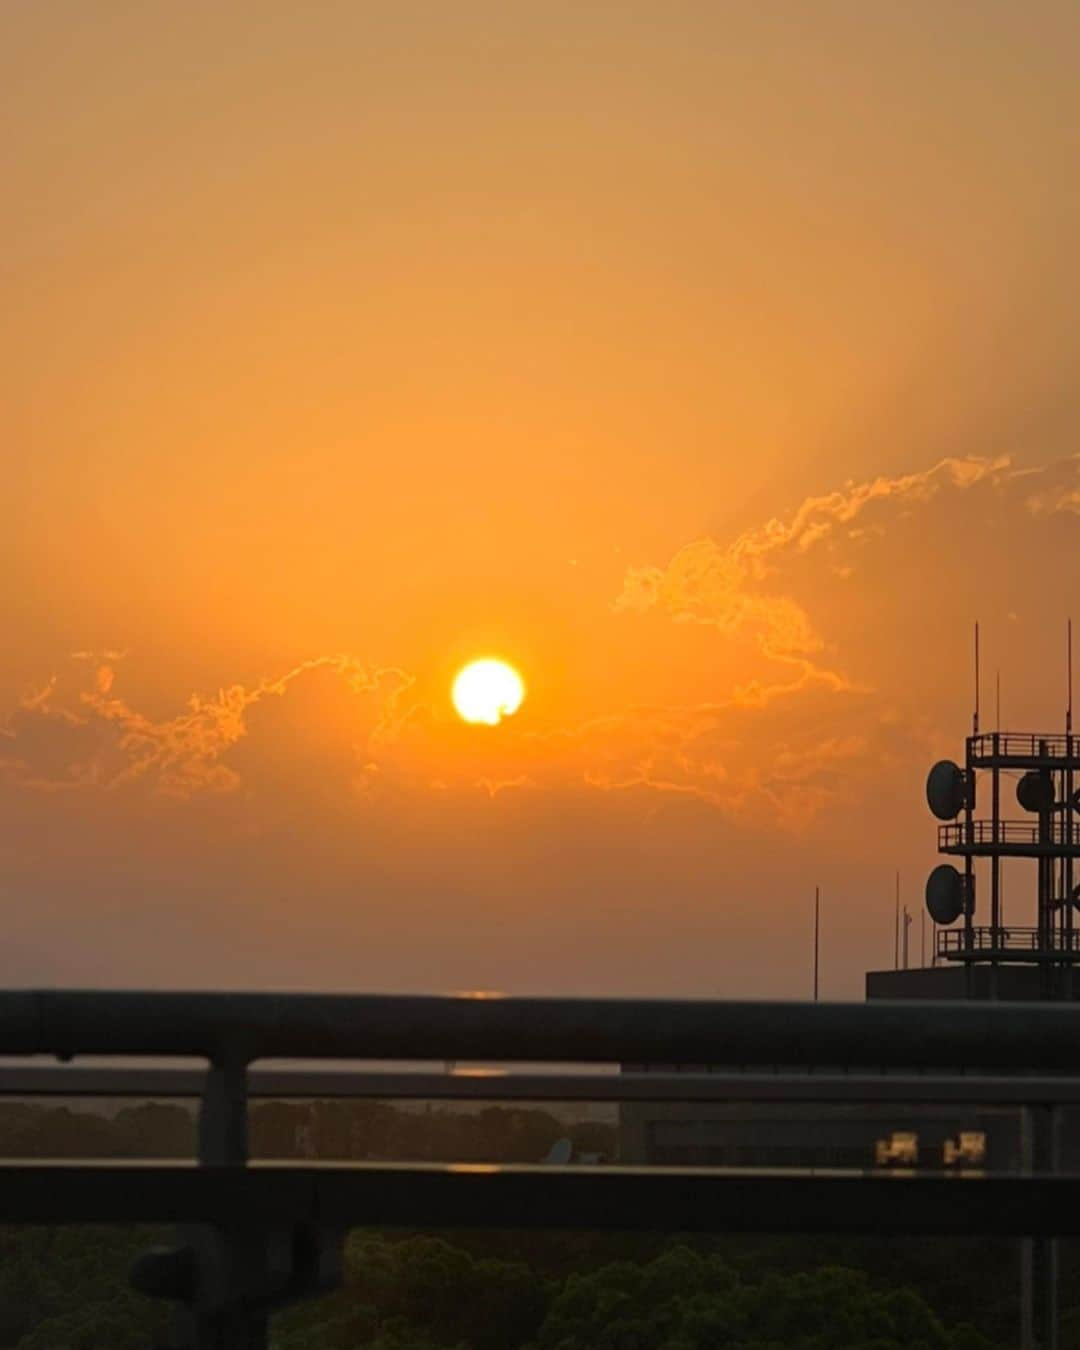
x: 487, y: 691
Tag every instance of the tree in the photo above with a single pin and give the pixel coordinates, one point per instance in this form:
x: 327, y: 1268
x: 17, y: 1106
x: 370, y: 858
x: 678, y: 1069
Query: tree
x: 685, y: 1301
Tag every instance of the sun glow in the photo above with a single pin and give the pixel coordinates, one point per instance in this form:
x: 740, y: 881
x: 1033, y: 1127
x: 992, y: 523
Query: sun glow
x: 487, y: 691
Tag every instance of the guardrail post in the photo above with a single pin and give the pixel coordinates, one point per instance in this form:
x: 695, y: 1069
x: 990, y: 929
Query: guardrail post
x: 227, y: 1278
x: 223, y: 1114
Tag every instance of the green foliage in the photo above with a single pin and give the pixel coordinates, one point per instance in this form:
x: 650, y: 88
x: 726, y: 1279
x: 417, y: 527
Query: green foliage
x: 421, y: 1293
x: 422, y: 1287
x: 67, y: 1289
x: 684, y: 1301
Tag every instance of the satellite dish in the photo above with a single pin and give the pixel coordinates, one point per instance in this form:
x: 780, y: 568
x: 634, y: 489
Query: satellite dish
x: 945, y: 784
x: 1035, y: 792
x: 562, y: 1150
x: 945, y: 894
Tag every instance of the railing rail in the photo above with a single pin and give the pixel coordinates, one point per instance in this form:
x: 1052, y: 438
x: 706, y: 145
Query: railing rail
x: 237, y: 1029
x: 830, y: 1086
x: 1025, y: 745
x: 1007, y: 939
x: 1016, y: 833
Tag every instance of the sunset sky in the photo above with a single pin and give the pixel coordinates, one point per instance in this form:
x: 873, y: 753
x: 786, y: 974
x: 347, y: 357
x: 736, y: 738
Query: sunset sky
x: 713, y: 363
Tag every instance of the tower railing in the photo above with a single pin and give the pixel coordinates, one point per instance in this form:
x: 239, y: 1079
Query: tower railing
x: 1024, y: 745
x: 1057, y: 833
x: 1014, y: 940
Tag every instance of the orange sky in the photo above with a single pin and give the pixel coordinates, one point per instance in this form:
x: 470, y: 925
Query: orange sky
x: 714, y: 363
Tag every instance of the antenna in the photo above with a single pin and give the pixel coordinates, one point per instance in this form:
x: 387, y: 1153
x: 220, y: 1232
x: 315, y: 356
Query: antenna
x: 1043, y: 769
x: 817, y: 935
x: 997, y: 708
x: 975, y: 718
x: 896, y: 927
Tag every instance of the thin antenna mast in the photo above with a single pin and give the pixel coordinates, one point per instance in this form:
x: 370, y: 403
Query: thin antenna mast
x: 975, y: 718
x: 1069, y: 703
x: 817, y: 935
x: 896, y: 927
x: 997, y: 708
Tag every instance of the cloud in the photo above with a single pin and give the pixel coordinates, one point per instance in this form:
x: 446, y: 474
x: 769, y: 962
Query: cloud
x: 732, y: 586
x: 864, y: 594
x: 805, y: 662
x: 717, y: 583
x: 78, y: 732
x: 1061, y: 496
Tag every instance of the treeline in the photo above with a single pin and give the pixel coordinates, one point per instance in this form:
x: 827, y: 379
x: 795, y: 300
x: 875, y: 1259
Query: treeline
x: 327, y: 1130
x: 423, y: 1293
x: 66, y: 1289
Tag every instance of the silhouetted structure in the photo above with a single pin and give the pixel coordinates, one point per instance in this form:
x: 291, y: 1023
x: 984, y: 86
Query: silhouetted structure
x: 998, y: 959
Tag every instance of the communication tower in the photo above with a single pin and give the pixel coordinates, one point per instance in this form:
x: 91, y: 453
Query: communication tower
x: 1042, y: 771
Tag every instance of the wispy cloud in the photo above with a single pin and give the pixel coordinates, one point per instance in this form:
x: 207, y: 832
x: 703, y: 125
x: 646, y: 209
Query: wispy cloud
x: 109, y: 743
x: 819, y: 624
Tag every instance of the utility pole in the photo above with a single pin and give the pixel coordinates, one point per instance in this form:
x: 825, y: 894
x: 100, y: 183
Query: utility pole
x: 817, y: 936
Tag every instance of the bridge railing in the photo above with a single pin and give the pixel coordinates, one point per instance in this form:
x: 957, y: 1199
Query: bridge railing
x: 254, y: 1237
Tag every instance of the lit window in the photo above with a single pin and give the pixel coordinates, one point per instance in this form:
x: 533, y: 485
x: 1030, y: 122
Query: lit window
x: 968, y: 1149
x: 901, y: 1149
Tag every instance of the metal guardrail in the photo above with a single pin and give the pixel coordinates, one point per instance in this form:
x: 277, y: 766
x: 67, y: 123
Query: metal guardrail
x: 254, y: 1237
x: 1014, y: 940
x: 262, y: 1202
x: 1021, y: 835
x: 1016, y: 745
x: 696, y: 1085
x: 233, y: 1030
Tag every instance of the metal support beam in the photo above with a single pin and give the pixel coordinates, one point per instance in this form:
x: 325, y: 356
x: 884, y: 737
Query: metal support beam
x: 921, y: 1035
x: 646, y: 1199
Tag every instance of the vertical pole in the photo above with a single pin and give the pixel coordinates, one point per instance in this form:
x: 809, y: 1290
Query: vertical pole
x: 995, y: 861
x: 817, y: 936
x: 975, y: 718
x: 896, y: 927
x: 232, y: 1256
x: 997, y: 702
x: 1046, y: 883
x: 223, y: 1115
x: 969, y: 863
x: 1068, y: 813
